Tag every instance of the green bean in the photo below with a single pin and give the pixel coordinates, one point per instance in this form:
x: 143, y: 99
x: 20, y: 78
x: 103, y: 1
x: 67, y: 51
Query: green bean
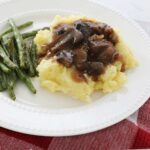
x: 34, y: 57
x: 1, y: 80
x: 20, y: 27
x: 11, y: 93
x: 33, y: 33
x: 29, y: 64
x: 11, y: 80
x: 29, y: 34
x: 24, y: 35
x: 6, y: 59
x: 19, y: 42
x: 12, y: 50
x: 22, y: 76
x: 10, y: 77
x: 3, y: 46
x: 1, y: 88
x: 18, y: 55
x: 26, y: 80
x: 4, y: 80
x: 4, y: 68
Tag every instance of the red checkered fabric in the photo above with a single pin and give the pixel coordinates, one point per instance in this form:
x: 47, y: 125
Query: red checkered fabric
x: 124, y: 135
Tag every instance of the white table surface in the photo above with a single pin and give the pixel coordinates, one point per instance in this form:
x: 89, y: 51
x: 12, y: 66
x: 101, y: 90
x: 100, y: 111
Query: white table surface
x: 137, y: 9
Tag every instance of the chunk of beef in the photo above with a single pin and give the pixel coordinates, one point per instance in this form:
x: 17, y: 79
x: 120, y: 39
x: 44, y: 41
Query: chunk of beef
x: 65, y: 57
x: 98, y: 46
x: 106, y: 56
x: 95, y: 68
x: 67, y: 40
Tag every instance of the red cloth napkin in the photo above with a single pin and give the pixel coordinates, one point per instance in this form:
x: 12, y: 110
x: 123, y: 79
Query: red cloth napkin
x: 124, y: 135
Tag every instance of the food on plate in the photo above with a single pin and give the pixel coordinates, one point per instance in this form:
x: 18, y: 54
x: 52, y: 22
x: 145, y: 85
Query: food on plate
x: 17, y: 58
x: 76, y: 55
x: 80, y: 55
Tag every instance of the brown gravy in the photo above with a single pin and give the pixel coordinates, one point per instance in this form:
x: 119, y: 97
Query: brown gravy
x: 87, y: 46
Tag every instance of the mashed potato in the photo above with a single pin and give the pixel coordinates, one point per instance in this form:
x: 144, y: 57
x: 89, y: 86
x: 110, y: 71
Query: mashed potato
x: 55, y: 77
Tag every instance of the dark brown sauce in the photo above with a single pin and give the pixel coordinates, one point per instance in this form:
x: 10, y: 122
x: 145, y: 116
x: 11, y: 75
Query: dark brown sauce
x: 86, y: 45
x: 123, y: 68
x: 78, y: 77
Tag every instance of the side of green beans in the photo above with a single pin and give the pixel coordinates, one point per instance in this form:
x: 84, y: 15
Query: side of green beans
x: 19, y: 72
x: 17, y: 58
x: 19, y: 42
x: 20, y: 27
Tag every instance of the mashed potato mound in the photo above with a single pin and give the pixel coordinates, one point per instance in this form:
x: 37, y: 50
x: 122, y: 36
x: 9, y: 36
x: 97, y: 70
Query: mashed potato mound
x: 55, y: 77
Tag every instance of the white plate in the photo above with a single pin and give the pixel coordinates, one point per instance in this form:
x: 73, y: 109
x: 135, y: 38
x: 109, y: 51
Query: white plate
x: 56, y: 114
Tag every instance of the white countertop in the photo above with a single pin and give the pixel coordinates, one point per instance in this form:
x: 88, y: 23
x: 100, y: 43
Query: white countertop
x: 137, y: 9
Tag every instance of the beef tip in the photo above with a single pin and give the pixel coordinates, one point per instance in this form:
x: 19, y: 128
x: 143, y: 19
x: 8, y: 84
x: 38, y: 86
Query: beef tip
x: 98, y: 46
x: 78, y: 37
x: 65, y: 57
x: 98, y: 27
x: 84, y: 28
x: 95, y: 68
x: 61, y: 42
x: 95, y: 27
x: 115, y: 56
x: 96, y: 37
x: 113, y: 38
x: 61, y: 29
x: 89, y: 28
x: 64, y: 42
x: 81, y: 67
x: 80, y: 54
x: 106, y: 56
x: 67, y: 40
x: 108, y: 30
x: 110, y: 34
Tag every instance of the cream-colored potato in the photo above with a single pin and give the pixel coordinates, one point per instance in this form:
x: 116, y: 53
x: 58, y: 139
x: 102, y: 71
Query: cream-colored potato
x: 128, y: 58
x: 55, y: 77
x: 43, y: 37
x: 111, y: 80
